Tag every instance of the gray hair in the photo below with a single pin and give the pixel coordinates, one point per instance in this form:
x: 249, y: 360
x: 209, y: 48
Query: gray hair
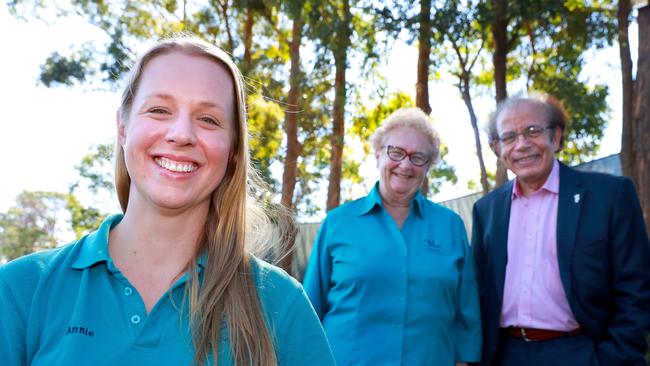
x: 413, y: 118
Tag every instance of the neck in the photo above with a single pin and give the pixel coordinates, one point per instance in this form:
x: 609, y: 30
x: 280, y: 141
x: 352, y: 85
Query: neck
x: 528, y: 188
x: 397, y: 206
x: 163, y: 240
x: 394, y: 199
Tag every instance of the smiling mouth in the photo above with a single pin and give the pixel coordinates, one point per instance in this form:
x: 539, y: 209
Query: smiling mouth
x: 403, y: 176
x: 526, y: 159
x: 175, y: 166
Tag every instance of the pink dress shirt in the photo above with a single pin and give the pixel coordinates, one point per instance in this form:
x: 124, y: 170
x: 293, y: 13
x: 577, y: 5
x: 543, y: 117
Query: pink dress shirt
x: 533, y: 295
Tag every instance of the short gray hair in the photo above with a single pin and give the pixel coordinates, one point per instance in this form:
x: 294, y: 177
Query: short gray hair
x: 413, y: 118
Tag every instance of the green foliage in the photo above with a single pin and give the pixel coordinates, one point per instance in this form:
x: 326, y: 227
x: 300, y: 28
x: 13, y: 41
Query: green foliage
x: 65, y: 70
x: 548, y: 40
x: 96, y: 180
x: 368, y: 120
x: 264, y: 118
x: 83, y: 219
x: 31, y: 224
x: 314, y: 122
x: 441, y: 172
x: 96, y: 168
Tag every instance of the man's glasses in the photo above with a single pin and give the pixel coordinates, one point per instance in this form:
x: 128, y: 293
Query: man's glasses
x: 398, y: 154
x: 530, y: 132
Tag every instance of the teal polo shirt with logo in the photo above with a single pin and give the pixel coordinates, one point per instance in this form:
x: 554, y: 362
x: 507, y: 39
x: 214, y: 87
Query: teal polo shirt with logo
x: 72, y: 306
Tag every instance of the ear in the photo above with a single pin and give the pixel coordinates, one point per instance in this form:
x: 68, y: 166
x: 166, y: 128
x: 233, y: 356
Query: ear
x: 496, y: 149
x: 557, y: 138
x: 121, y: 129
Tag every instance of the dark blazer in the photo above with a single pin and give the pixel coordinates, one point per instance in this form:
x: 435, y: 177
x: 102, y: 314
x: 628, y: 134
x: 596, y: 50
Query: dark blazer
x: 603, y: 256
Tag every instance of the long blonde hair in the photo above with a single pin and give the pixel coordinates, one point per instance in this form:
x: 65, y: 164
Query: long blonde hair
x: 227, y: 292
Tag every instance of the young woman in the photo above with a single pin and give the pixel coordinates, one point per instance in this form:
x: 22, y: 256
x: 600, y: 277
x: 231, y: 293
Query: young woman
x: 171, y: 281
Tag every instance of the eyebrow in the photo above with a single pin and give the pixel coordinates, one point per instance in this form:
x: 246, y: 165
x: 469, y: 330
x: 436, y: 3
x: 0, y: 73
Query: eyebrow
x: 169, y: 97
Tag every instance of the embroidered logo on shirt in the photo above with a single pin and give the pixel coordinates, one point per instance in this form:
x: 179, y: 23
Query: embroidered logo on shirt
x: 431, y: 246
x: 79, y: 330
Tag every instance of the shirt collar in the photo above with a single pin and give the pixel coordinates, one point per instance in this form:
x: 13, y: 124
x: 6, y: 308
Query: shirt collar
x: 373, y: 199
x: 95, y: 245
x: 552, y: 183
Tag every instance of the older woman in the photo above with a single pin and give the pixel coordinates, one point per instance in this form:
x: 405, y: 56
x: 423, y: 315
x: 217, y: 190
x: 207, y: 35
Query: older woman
x: 391, y: 275
x: 169, y: 281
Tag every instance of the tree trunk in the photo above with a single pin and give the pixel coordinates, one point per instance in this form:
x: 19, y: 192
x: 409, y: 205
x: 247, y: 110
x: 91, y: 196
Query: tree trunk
x: 248, y: 39
x: 340, y: 49
x: 424, y: 50
x: 641, y: 116
x: 499, y: 59
x: 467, y: 98
x: 291, y: 118
x: 226, y: 21
x: 422, y: 84
x: 291, y: 131
x: 628, y: 86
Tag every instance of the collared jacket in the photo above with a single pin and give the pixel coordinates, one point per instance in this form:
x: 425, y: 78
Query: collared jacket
x: 603, y: 256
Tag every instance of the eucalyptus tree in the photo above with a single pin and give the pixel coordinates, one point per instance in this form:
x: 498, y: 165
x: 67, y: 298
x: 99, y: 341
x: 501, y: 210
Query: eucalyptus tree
x: 635, y: 150
x: 31, y: 224
x: 330, y: 23
x: 461, y: 38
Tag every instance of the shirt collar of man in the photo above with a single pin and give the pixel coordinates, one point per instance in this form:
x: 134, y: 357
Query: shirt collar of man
x: 551, y: 185
x: 373, y: 199
x: 95, y: 246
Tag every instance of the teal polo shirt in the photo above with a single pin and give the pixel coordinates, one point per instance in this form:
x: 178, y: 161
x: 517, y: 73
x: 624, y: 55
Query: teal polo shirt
x: 72, y: 306
x: 389, y: 296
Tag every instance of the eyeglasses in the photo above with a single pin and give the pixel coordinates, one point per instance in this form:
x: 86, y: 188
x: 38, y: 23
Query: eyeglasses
x: 529, y: 132
x: 398, y: 154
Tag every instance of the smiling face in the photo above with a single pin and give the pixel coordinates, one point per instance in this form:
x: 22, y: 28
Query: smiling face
x: 178, y: 134
x: 531, y: 159
x: 399, y: 181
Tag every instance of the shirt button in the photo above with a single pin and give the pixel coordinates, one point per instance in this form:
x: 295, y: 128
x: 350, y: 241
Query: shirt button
x: 128, y: 291
x: 135, y: 319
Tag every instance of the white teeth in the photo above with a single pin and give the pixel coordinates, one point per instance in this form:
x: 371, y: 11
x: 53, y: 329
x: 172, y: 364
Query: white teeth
x: 175, y: 166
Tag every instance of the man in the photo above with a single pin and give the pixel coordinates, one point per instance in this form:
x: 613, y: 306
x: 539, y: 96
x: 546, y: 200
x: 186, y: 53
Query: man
x: 563, y: 258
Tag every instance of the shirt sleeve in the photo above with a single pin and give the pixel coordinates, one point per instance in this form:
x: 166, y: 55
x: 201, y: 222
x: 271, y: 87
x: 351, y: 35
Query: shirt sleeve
x: 12, y: 326
x: 301, y: 338
x: 318, y: 272
x: 467, y: 324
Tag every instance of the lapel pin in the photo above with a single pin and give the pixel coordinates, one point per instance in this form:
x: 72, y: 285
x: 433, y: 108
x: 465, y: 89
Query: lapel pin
x: 576, y: 198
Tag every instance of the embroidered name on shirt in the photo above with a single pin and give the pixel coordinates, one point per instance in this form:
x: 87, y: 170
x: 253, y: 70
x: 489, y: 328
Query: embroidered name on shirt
x: 80, y: 330
x: 431, y: 246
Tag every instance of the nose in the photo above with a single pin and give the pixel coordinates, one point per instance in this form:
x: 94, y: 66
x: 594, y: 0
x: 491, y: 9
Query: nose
x: 181, y: 131
x: 406, y: 162
x: 521, y: 142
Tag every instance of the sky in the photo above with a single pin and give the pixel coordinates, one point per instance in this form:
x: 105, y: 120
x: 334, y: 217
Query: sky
x: 46, y: 131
